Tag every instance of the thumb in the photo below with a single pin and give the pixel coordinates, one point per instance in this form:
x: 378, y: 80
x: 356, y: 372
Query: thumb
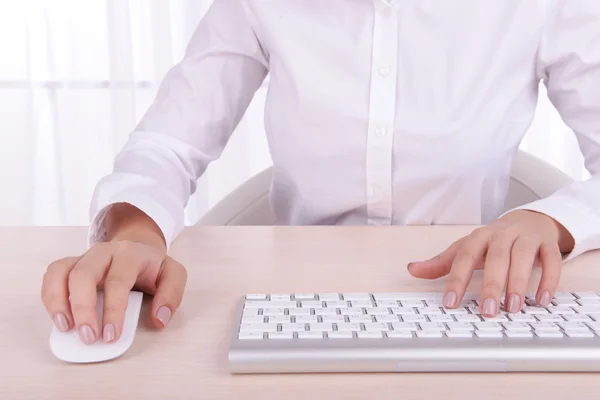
x: 435, y: 267
x: 170, y: 286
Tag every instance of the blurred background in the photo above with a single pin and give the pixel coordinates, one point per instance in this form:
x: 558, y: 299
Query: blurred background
x: 77, y: 75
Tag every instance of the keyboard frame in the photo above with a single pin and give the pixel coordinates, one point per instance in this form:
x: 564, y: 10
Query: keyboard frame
x: 410, y: 355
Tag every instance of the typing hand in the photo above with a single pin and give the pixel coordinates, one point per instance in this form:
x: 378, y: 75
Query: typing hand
x: 69, y: 289
x: 506, y: 250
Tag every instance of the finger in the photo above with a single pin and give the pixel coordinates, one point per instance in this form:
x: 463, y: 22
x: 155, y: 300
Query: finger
x: 83, y: 288
x: 169, y: 292
x: 551, y: 260
x: 437, y: 266
x: 55, y: 292
x: 495, y: 272
x: 468, y: 257
x: 120, y: 278
x: 523, y: 254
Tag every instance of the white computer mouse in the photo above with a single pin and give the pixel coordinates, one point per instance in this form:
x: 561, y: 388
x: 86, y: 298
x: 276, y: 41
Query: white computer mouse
x: 67, y: 346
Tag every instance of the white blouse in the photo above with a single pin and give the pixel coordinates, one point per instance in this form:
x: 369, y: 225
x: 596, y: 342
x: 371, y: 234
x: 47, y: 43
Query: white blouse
x: 378, y: 111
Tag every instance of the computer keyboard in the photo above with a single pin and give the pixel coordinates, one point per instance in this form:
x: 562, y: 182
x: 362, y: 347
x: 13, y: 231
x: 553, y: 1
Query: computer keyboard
x: 387, y: 332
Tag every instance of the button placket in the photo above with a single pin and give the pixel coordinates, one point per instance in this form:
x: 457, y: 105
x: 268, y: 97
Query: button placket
x: 382, y: 114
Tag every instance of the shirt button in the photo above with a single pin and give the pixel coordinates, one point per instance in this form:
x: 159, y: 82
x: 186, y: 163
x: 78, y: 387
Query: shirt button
x: 385, y: 70
x: 380, y: 132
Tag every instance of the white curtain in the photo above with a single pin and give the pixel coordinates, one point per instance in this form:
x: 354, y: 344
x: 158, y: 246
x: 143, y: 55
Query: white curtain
x: 75, y: 77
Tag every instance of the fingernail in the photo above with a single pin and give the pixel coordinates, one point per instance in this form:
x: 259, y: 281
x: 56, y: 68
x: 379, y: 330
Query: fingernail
x: 489, y: 306
x: 545, y: 299
x: 87, y: 334
x: 450, y: 299
x: 514, y: 303
x: 410, y: 264
x: 164, y: 315
x: 61, y: 322
x: 109, y: 333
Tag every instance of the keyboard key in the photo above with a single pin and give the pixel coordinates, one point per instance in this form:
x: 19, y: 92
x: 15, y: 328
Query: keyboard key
x: 256, y: 296
x: 356, y: 296
x: 595, y: 326
x: 519, y: 334
x: 561, y: 310
x: 434, y: 303
x: 334, y: 318
x: 488, y: 326
x: 281, y: 335
x: 489, y: 334
x: 258, y: 327
x: 432, y: 326
x: 577, y: 318
x: 573, y: 326
x: 377, y: 311
x: 517, y: 326
x: 441, y: 318
x: 329, y: 296
x: 351, y: 311
x: 534, y: 310
x: 279, y: 319
x: 403, y: 310
x: 369, y: 335
x: 411, y: 303
x: 405, y: 326
x: 459, y: 334
x: 414, y: 318
x: 293, y: 327
x: 311, y: 304
x: 248, y: 312
x: 313, y: 318
x: 310, y: 335
x: 566, y: 303
x: 429, y: 310
x: 549, y: 318
x: 580, y: 334
x: 589, y: 302
x: 586, y: 295
x: 304, y: 296
x: 326, y: 311
x: 336, y: 303
x: 429, y: 334
x: 454, y: 311
x: 361, y: 318
x: 280, y: 297
x: 351, y: 327
x: 257, y: 303
x: 521, y: 318
x: 253, y: 319
x: 299, y: 311
x: 460, y: 326
x: 273, y: 311
x: 399, y: 334
x: 321, y: 327
x: 361, y: 303
x: 498, y: 318
x: 386, y: 318
x: 386, y: 303
x: 377, y: 327
x: 549, y: 334
x: 467, y: 318
x: 250, y: 336
x: 563, y: 295
x: 340, y: 335
x: 589, y: 310
x: 544, y: 326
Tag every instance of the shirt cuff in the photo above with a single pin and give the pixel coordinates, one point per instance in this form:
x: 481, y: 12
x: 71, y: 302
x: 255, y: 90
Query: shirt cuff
x: 579, y: 221
x: 159, y: 207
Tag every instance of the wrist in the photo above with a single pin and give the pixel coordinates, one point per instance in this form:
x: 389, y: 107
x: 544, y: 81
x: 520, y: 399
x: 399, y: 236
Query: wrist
x: 127, y: 222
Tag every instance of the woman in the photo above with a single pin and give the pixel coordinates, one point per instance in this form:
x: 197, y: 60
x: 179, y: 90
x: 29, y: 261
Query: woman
x: 378, y: 112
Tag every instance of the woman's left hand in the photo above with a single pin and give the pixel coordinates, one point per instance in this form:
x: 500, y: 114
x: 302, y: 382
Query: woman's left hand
x: 506, y: 250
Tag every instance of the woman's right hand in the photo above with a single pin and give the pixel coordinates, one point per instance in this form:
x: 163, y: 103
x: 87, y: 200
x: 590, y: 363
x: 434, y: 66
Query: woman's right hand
x: 70, y: 285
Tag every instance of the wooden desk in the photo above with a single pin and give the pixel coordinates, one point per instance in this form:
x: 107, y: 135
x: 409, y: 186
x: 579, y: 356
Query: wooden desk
x: 188, y: 360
